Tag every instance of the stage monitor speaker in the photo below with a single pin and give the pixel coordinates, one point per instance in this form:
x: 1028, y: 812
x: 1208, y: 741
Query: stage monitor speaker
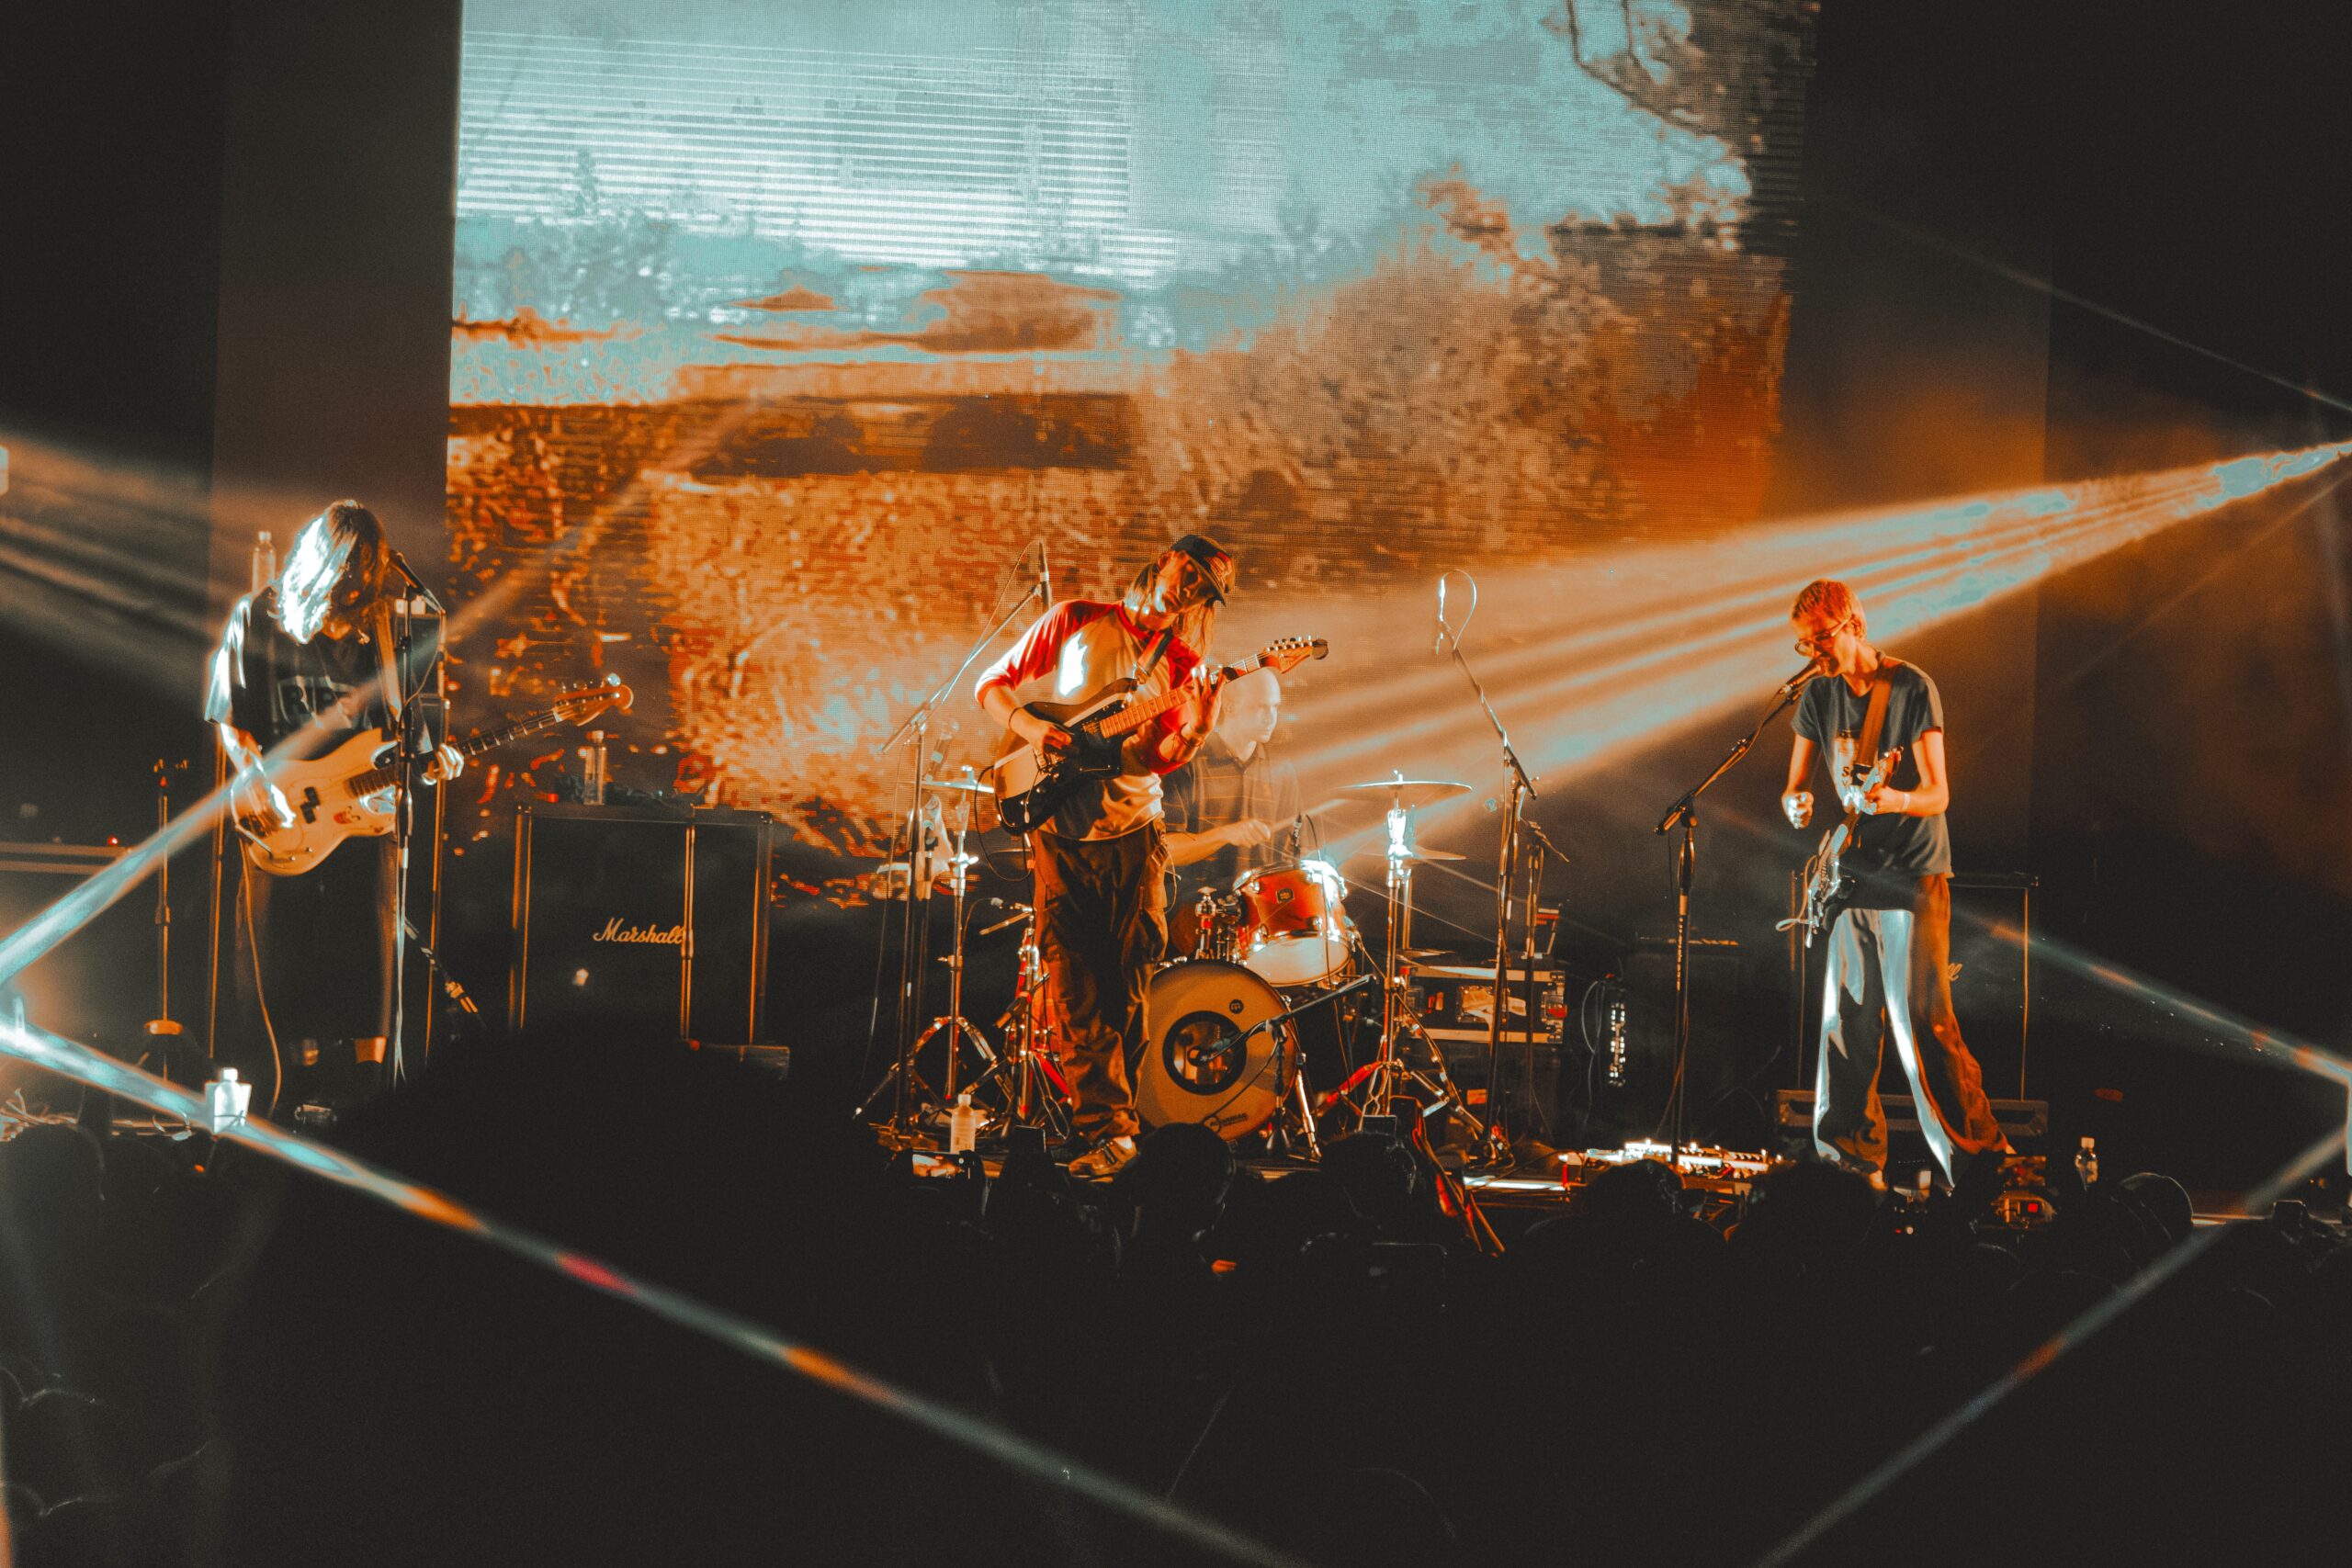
x: 100, y: 986
x: 640, y: 921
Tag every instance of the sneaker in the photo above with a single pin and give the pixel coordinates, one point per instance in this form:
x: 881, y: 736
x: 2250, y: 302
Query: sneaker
x: 1109, y: 1157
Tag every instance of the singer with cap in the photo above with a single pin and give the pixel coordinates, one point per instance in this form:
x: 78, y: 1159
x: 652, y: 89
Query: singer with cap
x: 1101, y: 860
x: 1888, y: 973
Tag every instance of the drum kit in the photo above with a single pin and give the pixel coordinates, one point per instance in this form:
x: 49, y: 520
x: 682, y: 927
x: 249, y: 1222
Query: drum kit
x: 1246, y: 964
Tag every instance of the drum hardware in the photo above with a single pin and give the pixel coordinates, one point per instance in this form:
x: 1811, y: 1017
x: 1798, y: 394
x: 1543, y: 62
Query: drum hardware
x: 893, y: 880
x: 914, y: 732
x: 1212, y: 926
x: 1034, y: 1093
x: 1382, y: 1078
x: 953, y: 1032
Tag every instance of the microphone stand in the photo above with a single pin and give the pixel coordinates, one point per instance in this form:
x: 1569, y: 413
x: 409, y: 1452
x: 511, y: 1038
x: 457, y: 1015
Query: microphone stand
x: 917, y: 929
x: 408, y: 727
x: 1684, y: 814
x: 1520, y: 790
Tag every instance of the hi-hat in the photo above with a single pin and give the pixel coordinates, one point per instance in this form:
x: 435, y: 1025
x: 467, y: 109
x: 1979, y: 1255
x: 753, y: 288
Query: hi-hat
x: 1410, y: 794
x: 965, y: 787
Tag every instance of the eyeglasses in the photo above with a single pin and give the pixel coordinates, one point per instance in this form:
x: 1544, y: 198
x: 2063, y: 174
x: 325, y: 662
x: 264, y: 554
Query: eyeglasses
x: 1820, y: 642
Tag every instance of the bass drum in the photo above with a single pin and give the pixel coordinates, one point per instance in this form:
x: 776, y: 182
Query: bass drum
x: 1195, y: 1065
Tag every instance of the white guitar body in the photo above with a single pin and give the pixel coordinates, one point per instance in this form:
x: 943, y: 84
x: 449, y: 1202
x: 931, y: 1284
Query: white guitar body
x: 326, y: 811
x: 348, y: 794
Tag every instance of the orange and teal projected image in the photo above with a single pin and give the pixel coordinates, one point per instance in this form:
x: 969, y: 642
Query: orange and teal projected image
x: 779, y: 337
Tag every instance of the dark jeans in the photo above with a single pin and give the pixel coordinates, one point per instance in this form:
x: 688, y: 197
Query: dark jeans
x: 1101, y: 924
x: 1888, y: 974
x: 325, y: 953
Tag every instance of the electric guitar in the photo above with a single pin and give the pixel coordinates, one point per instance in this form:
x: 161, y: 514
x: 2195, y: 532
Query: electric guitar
x: 348, y: 791
x: 1031, y: 785
x: 1827, y: 888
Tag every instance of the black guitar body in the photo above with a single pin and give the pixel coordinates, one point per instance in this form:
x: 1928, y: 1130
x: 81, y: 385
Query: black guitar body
x: 1090, y: 756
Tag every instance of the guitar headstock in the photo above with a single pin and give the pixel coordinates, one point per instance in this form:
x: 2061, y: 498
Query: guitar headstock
x: 1287, y: 654
x: 584, y: 703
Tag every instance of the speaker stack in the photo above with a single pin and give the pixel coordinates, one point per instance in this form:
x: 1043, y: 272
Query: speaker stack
x: 640, y: 921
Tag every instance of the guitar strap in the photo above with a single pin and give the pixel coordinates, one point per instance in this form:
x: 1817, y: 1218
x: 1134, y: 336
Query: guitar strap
x: 1874, y: 718
x: 1151, y: 659
x: 388, y: 675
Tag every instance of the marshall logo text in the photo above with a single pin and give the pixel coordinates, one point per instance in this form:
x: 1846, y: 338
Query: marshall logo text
x: 672, y: 936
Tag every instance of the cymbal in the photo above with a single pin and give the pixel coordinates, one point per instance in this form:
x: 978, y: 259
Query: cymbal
x: 1380, y: 852
x: 1410, y: 794
x: 962, y: 786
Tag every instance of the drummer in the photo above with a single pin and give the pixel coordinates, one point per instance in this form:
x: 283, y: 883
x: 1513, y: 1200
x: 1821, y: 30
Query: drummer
x: 1231, y: 807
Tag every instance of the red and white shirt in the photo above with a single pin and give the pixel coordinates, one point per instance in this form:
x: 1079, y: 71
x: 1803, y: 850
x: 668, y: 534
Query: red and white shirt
x: 1079, y: 645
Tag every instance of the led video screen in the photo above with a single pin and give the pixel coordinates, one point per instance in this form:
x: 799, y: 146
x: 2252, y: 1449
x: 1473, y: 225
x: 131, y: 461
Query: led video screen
x: 787, y: 337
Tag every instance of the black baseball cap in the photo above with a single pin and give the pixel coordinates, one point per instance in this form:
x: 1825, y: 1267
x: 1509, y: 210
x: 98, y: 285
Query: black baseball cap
x: 1216, y: 564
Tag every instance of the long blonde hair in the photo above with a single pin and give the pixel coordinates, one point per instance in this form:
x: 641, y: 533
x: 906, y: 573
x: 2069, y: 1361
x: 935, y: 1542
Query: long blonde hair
x: 343, y: 541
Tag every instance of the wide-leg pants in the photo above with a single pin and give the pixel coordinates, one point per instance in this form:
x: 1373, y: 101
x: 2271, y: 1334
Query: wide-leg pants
x: 1102, y: 925
x: 1888, y: 975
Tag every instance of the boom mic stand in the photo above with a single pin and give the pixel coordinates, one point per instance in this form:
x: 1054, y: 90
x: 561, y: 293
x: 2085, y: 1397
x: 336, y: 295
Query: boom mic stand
x: 1520, y: 790
x: 1684, y: 814
x: 916, y: 924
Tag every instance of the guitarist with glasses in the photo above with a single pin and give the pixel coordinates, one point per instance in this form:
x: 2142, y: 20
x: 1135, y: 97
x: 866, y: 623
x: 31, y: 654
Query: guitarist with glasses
x: 1887, y: 971
x: 1102, y: 856
x: 310, y: 655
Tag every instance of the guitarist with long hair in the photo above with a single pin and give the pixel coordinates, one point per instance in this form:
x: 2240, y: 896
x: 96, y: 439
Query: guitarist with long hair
x: 309, y: 655
x: 1887, y: 972
x: 1101, y: 857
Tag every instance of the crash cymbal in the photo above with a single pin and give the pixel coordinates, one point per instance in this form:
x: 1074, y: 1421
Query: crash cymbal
x: 1410, y: 794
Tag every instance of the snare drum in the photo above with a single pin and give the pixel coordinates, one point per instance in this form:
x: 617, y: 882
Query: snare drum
x: 1295, y: 934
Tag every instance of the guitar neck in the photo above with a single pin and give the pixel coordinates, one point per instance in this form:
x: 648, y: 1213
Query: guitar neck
x: 376, y: 779
x: 1137, y: 715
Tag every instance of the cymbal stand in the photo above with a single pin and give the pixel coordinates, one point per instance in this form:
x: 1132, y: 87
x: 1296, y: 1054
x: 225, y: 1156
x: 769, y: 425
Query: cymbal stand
x: 1035, y: 1093
x: 916, y: 924
x: 958, y: 1029
x: 1397, y: 1018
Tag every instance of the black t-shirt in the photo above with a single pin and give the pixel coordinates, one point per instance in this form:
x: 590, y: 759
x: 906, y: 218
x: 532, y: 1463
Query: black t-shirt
x: 270, y: 686
x: 1890, y: 852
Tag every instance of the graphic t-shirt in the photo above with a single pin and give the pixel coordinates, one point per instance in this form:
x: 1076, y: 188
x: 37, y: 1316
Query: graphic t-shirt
x: 270, y: 686
x: 1078, y: 646
x: 1889, y: 853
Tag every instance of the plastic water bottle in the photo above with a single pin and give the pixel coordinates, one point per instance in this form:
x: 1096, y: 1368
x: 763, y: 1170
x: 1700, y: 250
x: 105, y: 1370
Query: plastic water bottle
x: 263, y: 569
x: 226, y: 1100
x: 963, y: 1125
x: 2086, y: 1162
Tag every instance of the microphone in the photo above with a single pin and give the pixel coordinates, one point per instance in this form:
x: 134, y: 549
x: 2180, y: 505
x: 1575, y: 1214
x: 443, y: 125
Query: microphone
x: 1438, y: 646
x: 400, y: 564
x: 1789, y: 687
x: 1045, y: 574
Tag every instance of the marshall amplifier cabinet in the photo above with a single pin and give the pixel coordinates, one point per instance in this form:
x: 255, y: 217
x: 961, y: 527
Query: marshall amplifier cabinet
x: 640, y: 921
